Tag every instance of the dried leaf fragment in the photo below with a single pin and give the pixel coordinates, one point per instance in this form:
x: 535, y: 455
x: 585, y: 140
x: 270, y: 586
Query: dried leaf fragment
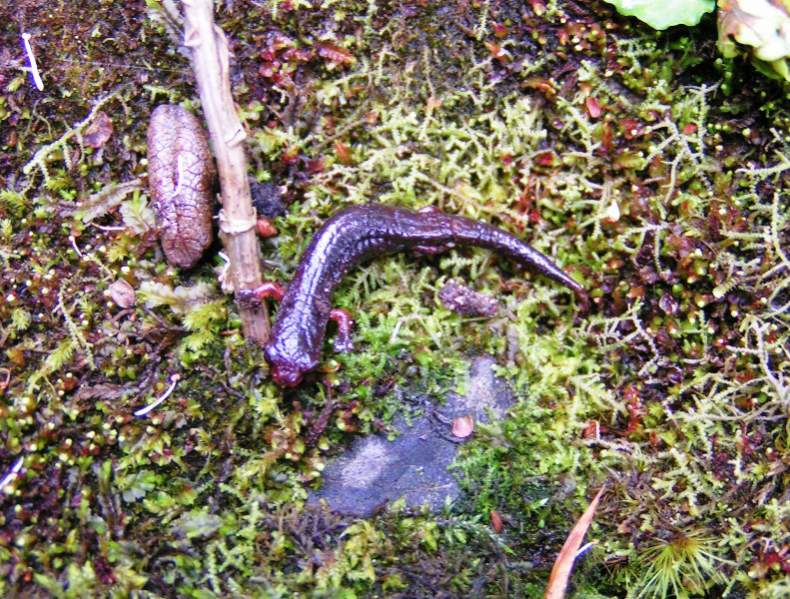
x: 343, y: 153
x: 497, y: 51
x: 335, y: 53
x: 593, y: 107
x: 122, y: 293
x: 99, y: 131
x: 465, y: 301
x: 496, y: 521
x: 561, y: 572
x: 180, y: 178
x: 463, y: 426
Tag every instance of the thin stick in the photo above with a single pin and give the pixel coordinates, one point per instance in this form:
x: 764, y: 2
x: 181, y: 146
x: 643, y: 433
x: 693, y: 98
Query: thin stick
x: 11, y: 474
x: 237, y: 217
x: 32, y: 60
x: 144, y: 411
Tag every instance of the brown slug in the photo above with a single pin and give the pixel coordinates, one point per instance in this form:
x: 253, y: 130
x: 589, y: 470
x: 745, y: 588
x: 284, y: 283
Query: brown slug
x: 180, y: 178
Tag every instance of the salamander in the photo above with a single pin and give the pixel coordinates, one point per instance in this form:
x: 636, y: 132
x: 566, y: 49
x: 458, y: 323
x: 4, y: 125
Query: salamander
x: 353, y: 236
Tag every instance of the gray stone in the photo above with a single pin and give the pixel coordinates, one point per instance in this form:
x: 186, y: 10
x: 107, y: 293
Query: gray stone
x: 414, y: 466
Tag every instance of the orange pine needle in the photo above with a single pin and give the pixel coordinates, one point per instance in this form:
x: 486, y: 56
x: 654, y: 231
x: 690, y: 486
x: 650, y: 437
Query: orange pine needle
x: 561, y: 572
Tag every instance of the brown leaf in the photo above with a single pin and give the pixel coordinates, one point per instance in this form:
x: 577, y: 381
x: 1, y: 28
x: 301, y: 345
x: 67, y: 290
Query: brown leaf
x: 593, y: 107
x: 543, y: 85
x: 99, y: 131
x: 103, y: 391
x: 265, y: 227
x: 561, y: 572
x: 335, y: 53
x: 17, y: 356
x: 68, y: 383
x: 182, y: 198
x: 343, y: 153
x: 433, y: 103
x: 497, y: 51
x: 547, y: 158
x: 463, y: 426
x: 496, y: 521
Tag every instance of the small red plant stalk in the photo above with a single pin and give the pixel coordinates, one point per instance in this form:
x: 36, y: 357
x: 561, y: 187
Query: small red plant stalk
x: 634, y: 407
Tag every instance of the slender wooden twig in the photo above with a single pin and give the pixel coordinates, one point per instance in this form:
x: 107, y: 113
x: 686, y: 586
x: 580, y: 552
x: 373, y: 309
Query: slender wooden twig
x: 237, y: 217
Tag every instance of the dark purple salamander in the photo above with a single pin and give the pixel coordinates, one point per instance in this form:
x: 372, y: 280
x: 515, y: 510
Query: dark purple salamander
x: 357, y: 234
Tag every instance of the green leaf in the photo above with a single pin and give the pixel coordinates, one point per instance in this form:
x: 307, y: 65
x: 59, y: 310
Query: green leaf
x: 660, y: 15
x: 198, y: 523
x: 138, y: 485
x: 60, y: 355
x: 81, y: 580
x: 20, y: 319
x: 761, y: 28
x: 14, y: 201
x: 137, y: 216
x: 202, y: 317
x: 6, y: 228
x: 50, y: 584
x: 181, y: 299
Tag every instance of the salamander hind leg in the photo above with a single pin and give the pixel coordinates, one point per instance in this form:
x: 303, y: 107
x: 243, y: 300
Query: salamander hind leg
x: 433, y: 249
x: 342, y: 343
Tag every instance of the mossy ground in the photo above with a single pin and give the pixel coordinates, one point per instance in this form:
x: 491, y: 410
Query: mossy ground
x: 654, y: 172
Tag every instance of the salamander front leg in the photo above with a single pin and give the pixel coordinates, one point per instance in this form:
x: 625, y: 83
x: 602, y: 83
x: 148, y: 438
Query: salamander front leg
x: 342, y: 343
x: 260, y: 293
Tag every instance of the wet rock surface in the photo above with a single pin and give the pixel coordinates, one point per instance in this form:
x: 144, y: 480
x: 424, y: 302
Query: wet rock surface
x: 414, y: 466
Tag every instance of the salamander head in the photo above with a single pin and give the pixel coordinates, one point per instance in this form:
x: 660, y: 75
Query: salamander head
x: 286, y: 376
x: 286, y: 371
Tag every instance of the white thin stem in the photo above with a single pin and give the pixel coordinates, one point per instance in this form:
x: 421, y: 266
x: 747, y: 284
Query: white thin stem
x: 32, y: 60
x: 74, y: 245
x: 144, y: 411
x: 109, y: 228
x: 584, y: 549
x: 11, y: 474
